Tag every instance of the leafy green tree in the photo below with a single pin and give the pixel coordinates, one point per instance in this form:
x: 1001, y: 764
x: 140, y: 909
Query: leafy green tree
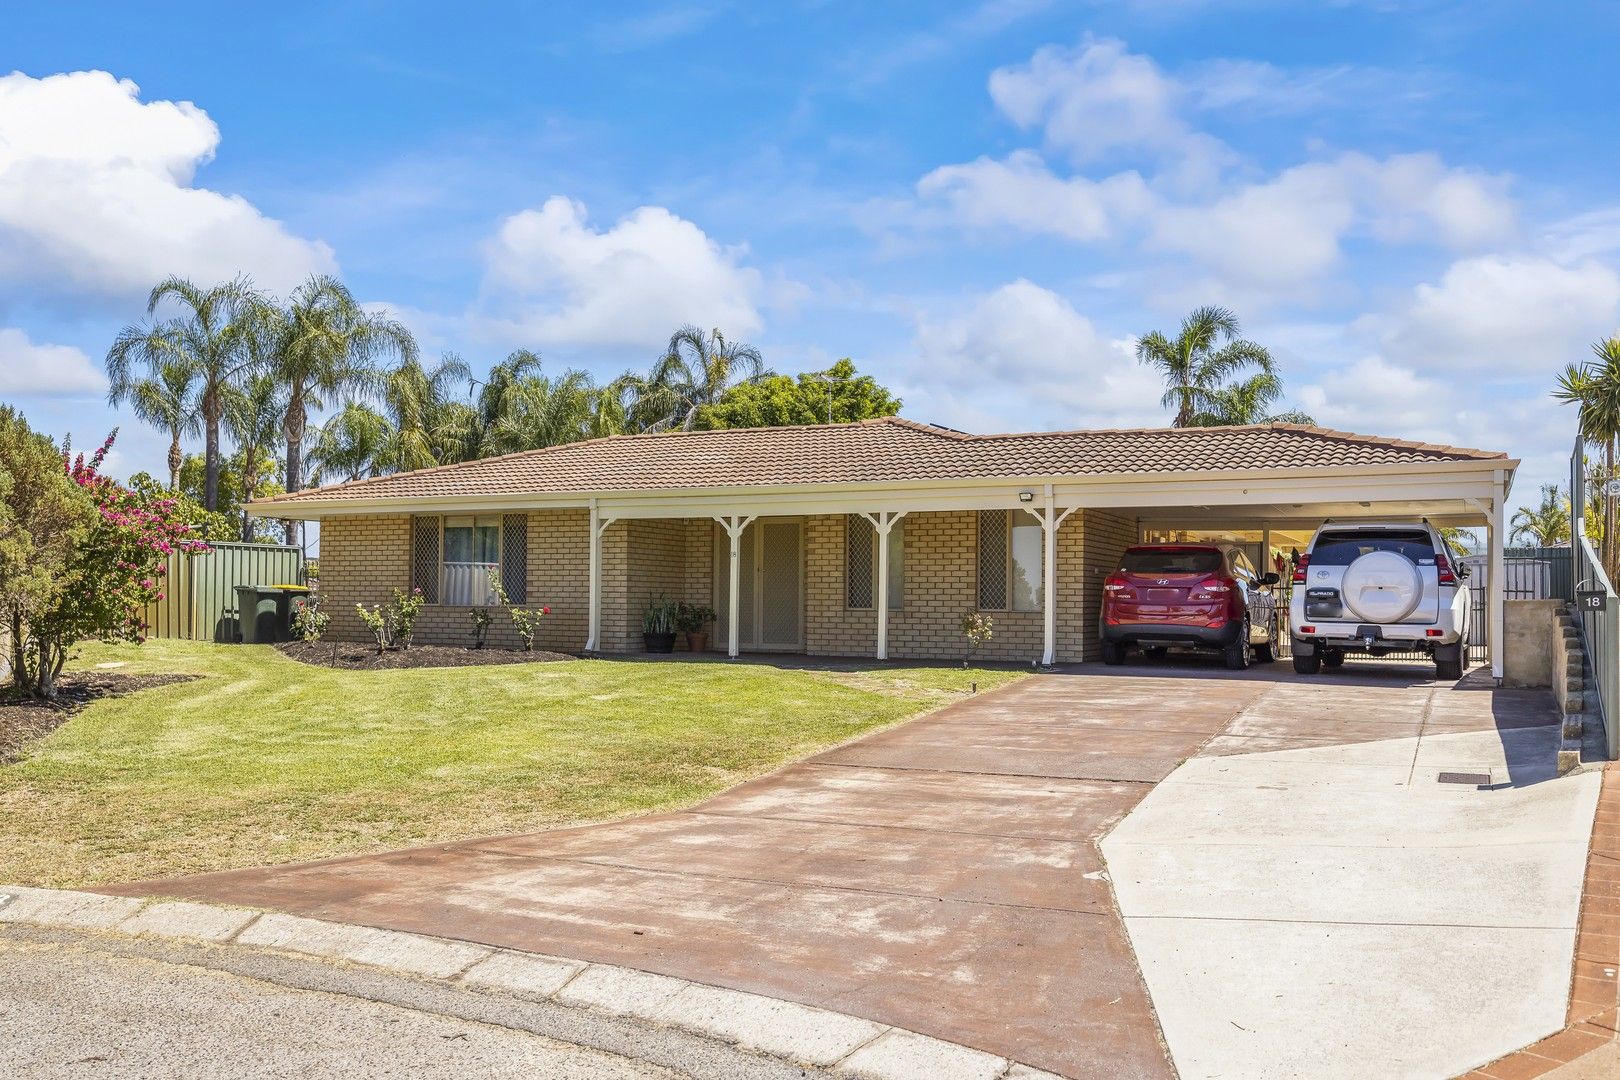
x: 1545, y: 524
x: 493, y: 392
x: 430, y: 427
x: 208, y: 336
x: 837, y: 395
x: 695, y: 371
x: 325, y: 346
x: 1199, y: 362
x: 204, y: 523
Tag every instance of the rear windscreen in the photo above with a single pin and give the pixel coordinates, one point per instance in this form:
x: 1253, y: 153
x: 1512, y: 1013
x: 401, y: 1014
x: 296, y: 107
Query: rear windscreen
x: 1342, y: 549
x: 1149, y: 561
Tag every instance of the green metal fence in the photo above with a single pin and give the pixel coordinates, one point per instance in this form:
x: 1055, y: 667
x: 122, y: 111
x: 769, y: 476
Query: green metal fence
x: 200, y: 601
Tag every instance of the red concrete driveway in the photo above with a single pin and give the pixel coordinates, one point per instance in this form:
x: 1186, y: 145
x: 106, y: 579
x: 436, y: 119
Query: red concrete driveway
x: 941, y: 876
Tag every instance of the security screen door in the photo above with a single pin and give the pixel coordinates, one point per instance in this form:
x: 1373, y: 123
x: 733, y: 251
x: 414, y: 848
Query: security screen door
x: 770, y: 593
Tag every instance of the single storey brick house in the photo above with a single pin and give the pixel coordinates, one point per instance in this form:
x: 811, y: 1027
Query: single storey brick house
x: 864, y: 539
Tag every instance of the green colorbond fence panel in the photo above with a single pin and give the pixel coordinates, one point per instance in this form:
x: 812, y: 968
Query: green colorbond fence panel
x: 200, y: 602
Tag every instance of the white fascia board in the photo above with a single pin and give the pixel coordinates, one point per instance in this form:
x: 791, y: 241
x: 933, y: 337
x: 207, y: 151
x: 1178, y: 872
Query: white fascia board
x: 1234, y: 486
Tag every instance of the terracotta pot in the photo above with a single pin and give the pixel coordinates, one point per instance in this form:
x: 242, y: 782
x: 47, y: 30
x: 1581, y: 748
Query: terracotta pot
x: 697, y: 641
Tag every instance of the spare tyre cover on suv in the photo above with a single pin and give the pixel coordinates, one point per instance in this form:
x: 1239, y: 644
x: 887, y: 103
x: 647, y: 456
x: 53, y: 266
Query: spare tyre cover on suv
x: 1381, y: 587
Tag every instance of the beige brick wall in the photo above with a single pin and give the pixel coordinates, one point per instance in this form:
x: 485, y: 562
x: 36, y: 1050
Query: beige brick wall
x: 364, y: 559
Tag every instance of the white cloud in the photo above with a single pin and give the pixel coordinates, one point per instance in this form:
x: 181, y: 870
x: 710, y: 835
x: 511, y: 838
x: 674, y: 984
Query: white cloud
x: 38, y: 369
x: 96, y: 195
x: 551, y: 277
x: 1283, y: 232
x: 1022, y: 192
x: 1021, y: 350
x: 1376, y: 397
x: 1507, y: 315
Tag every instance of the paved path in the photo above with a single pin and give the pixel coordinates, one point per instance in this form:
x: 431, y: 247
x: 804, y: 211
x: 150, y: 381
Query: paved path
x: 941, y: 876
x: 944, y: 876
x: 1308, y: 898
x: 77, y: 1009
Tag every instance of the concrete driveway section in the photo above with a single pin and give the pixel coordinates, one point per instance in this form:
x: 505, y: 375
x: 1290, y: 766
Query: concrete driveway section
x: 1360, y: 880
x: 941, y: 876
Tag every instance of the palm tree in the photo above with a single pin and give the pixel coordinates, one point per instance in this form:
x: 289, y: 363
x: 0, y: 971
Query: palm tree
x: 539, y: 411
x: 253, y: 412
x: 168, y: 400
x: 355, y: 443
x: 696, y: 370
x: 1196, y: 365
x: 1594, y: 388
x: 1547, y: 524
x: 491, y: 400
x: 326, y: 346
x: 1248, y: 402
x: 207, y: 334
x: 428, y: 428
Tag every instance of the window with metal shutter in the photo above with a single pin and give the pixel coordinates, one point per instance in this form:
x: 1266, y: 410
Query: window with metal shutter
x: 425, y: 557
x: 515, y: 557
x: 992, y: 560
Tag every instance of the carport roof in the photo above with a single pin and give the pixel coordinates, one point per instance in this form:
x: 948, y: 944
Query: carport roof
x: 885, y: 450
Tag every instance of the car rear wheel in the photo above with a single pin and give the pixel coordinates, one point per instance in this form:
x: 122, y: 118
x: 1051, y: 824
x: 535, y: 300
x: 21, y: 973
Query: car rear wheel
x: 1113, y: 653
x: 1448, y: 663
x: 1240, y: 651
x: 1306, y: 663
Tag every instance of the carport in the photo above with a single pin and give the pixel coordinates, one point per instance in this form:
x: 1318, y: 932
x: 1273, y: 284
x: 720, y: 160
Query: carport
x: 1279, y: 509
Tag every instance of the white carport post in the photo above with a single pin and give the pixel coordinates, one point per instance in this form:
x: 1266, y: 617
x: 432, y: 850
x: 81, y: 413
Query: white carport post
x: 1498, y: 583
x: 593, y: 622
x: 882, y: 522
x: 1050, y: 521
x: 734, y: 526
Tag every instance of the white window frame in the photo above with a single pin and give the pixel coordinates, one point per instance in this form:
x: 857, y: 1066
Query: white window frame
x: 1009, y: 561
x: 484, y: 595
x: 897, y: 565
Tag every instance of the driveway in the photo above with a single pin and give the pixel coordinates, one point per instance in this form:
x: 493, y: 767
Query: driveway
x: 944, y: 876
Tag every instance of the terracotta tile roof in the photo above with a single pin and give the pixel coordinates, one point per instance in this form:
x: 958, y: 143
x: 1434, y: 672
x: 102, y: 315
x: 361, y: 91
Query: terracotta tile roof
x: 875, y: 451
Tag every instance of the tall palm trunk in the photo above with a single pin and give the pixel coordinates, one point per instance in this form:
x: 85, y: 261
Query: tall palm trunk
x: 176, y: 459
x: 250, y: 484
x: 294, y: 429
x: 212, y: 410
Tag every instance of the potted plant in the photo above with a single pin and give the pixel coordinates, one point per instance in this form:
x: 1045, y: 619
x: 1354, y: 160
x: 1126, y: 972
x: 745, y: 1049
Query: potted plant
x: 692, y: 620
x: 658, y: 625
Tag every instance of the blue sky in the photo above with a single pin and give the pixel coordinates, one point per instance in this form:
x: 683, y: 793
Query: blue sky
x: 1411, y: 203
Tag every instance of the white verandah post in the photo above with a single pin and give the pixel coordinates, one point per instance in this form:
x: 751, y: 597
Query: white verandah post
x: 882, y: 522
x: 734, y: 526
x: 1497, y: 533
x: 593, y: 620
x: 1050, y: 521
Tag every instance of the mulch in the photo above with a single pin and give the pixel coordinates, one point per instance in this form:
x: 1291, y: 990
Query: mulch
x: 359, y: 657
x: 24, y: 720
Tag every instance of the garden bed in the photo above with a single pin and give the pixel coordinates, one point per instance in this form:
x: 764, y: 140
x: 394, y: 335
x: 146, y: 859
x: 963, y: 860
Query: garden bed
x: 25, y: 719
x: 354, y: 656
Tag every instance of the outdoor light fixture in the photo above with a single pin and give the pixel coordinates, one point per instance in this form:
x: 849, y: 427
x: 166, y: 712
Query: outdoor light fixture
x: 1026, y: 496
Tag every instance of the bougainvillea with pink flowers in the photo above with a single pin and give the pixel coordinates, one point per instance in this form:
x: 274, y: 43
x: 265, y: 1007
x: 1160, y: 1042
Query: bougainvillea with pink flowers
x: 113, y: 558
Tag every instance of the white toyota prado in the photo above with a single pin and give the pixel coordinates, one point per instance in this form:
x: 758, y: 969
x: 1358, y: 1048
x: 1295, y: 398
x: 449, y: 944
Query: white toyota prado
x: 1379, y: 588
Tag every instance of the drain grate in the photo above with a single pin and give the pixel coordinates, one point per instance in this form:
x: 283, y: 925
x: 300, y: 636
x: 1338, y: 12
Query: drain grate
x: 1477, y: 779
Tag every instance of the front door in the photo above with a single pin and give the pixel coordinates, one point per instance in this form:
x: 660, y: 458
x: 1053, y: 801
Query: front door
x: 770, y: 593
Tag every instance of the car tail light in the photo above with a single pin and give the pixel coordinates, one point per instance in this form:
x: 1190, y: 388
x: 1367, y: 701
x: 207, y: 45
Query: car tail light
x: 1299, y: 569
x: 1434, y: 633
x: 1307, y: 630
x: 1442, y: 566
x: 1211, y: 589
x: 1117, y: 588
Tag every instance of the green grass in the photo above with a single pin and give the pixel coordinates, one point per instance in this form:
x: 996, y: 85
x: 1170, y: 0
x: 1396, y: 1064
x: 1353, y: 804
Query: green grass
x: 267, y: 760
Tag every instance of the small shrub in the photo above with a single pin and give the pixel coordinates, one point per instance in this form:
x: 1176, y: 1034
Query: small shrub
x: 378, y: 620
x: 691, y: 618
x: 309, y: 622
x: 405, y: 608
x: 661, y: 616
x: 978, y: 628
x: 481, y: 618
x: 526, y: 621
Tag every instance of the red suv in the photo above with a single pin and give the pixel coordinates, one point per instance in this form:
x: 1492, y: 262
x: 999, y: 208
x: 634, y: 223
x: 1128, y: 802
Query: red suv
x: 1207, y: 596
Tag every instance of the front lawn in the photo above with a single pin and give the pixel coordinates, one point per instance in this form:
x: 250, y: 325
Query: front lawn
x: 266, y: 760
